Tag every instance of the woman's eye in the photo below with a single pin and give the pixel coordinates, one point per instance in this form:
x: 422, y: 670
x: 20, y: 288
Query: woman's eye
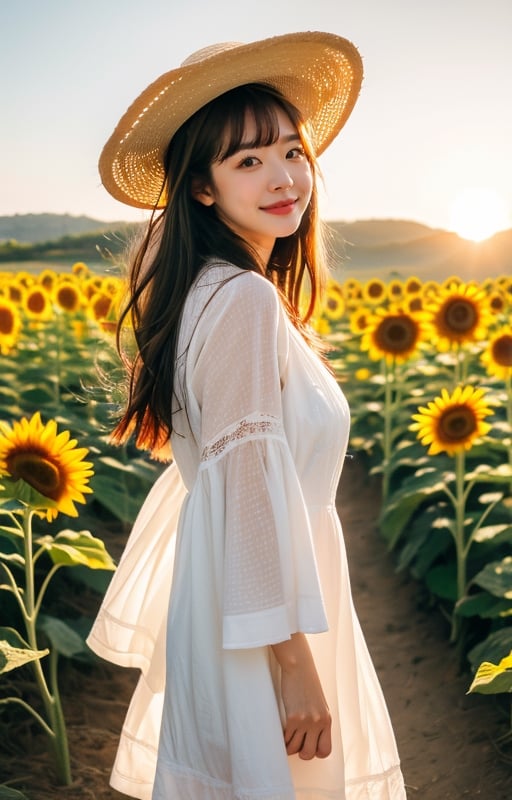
x: 296, y: 152
x: 250, y: 161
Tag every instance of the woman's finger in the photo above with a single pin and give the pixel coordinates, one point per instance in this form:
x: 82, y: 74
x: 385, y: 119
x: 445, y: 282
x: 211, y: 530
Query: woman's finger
x: 294, y: 741
x: 324, y: 745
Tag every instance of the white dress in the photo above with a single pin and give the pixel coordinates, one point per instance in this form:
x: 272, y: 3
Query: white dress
x: 260, y: 434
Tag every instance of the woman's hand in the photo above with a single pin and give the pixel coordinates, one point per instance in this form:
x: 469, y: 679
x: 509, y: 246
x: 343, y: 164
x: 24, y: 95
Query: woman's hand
x: 307, y: 729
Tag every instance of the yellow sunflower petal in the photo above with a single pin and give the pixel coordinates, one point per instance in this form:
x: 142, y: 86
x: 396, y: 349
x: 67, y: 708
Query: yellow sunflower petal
x: 47, y: 460
x: 452, y: 422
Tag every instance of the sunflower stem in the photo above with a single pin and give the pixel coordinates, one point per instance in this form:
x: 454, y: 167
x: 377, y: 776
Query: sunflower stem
x: 508, y: 389
x: 459, y: 536
x: 457, y: 370
x: 386, y: 443
x: 51, y: 702
x: 61, y: 746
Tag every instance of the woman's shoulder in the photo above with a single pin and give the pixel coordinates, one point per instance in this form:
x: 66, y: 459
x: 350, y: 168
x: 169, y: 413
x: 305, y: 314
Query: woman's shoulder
x: 226, y: 284
x: 226, y: 295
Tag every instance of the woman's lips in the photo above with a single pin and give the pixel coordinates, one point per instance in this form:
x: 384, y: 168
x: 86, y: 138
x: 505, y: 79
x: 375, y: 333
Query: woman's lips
x: 281, y: 208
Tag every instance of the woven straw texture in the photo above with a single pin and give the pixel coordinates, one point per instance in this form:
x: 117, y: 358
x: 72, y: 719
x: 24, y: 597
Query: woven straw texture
x: 320, y: 73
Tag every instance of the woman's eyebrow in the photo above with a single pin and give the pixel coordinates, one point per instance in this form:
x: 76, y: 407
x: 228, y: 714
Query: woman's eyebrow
x: 290, y: 137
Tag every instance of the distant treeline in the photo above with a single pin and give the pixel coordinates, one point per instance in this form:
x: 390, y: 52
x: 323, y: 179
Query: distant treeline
x: 92, y: 246
x: 30, y: 228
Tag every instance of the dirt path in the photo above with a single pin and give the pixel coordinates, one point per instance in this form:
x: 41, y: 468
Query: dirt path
x: 443, y: 735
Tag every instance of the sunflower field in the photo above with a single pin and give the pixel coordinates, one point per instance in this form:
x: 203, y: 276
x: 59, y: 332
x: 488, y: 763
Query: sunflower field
x: 427, y: 370
x: 58, y: 356
x: 60, y: 378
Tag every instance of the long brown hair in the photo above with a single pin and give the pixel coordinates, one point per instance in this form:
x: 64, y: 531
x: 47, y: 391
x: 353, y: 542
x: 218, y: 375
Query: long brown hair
x: 180, y: 239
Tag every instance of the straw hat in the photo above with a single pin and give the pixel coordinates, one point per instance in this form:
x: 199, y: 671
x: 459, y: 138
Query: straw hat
x: 320, y: 73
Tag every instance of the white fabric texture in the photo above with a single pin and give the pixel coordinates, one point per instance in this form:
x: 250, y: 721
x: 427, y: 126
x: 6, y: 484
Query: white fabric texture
x: 260, y: 435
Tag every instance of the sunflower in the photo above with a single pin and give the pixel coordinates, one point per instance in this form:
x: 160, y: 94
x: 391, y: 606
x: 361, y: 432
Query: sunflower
x: 48, y: 278
x: 413, y: 285
x: 25, y: 278
x: 497, y: 302
x: 49, y: 462
x: 100, y: 306
x: 352, y: 292
x: 430, y: 289
x: 393, y: 334
x: 414, y: 303
x: 67, y: 296
x: 80, y: 270
x: 10, y: 325
x: 15, y: 292
x: 459, y: 315
x: 452, y: 422
x: 91, y: 286
x: 504, y: 282
x: 395, y: 290
x: 497, y: 356
x: 374, y: 291
x: 452, y: 280
x: 37, y: 303
x: 111, y: 285
x: 333, y: 305
x: 359, y: 320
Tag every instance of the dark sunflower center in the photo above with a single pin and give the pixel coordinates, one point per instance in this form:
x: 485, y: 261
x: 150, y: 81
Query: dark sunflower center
x: 456, y: 424
x: 502, y: 350
x: 36, y: 302
x: 332, y: 304
x: 15, y: 294
x: 375, y: 290
x: 68, y: 298
x: 497, y: 302
x: 36, y: 470
x: 6, y: 321
x: 396, y: 334
x: 460, y: 316
x: 102, y: 306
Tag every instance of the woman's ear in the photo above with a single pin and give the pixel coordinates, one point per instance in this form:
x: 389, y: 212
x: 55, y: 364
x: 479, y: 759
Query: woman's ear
x: 202, y: 192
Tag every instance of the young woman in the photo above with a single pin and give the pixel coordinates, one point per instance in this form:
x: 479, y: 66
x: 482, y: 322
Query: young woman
x: 233, y: 596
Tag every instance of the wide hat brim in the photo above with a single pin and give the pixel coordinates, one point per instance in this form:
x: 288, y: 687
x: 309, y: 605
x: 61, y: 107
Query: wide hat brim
x: 319, y: 73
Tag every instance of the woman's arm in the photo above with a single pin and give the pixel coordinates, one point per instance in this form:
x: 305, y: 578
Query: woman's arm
x: 308, y: 721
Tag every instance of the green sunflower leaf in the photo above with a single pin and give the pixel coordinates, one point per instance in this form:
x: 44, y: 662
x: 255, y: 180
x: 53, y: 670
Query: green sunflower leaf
x: 496, y: 578
x: 72, y: 548
x: 493, y: 678
x: 15, y: 652
x: 20, y: 492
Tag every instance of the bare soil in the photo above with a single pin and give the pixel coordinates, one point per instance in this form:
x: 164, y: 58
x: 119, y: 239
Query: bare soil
x: 447, y: 739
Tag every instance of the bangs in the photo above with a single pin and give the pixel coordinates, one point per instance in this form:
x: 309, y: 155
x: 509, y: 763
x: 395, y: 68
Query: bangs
x: 259, y: 104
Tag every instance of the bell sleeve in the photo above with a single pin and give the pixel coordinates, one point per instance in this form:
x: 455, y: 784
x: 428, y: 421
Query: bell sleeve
x: 129, y: 629
x: 257, y: 514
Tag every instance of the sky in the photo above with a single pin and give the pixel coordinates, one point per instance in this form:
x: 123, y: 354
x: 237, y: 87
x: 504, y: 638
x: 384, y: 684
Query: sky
x: 433, y: 121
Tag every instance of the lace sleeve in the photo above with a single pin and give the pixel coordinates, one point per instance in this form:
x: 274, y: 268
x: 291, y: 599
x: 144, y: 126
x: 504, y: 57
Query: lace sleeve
x: 238, y: 360
x: 247, y: 471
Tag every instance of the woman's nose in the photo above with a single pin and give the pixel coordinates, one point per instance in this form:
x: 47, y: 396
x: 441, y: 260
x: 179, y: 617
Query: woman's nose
x: 280, y: 178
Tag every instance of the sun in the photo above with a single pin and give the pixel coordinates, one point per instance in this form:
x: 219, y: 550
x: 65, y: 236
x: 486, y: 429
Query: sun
x: 478, y: 213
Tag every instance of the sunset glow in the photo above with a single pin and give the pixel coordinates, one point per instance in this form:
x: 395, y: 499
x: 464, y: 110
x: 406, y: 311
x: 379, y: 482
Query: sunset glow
x: 479, y: 213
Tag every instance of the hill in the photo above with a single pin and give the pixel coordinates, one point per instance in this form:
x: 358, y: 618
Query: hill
x: 381, y: 247
x: 62, y: 239
x: 401, y: 248
x: 31, y: 228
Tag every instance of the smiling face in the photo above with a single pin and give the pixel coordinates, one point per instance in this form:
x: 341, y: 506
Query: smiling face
x: 261, y: 190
